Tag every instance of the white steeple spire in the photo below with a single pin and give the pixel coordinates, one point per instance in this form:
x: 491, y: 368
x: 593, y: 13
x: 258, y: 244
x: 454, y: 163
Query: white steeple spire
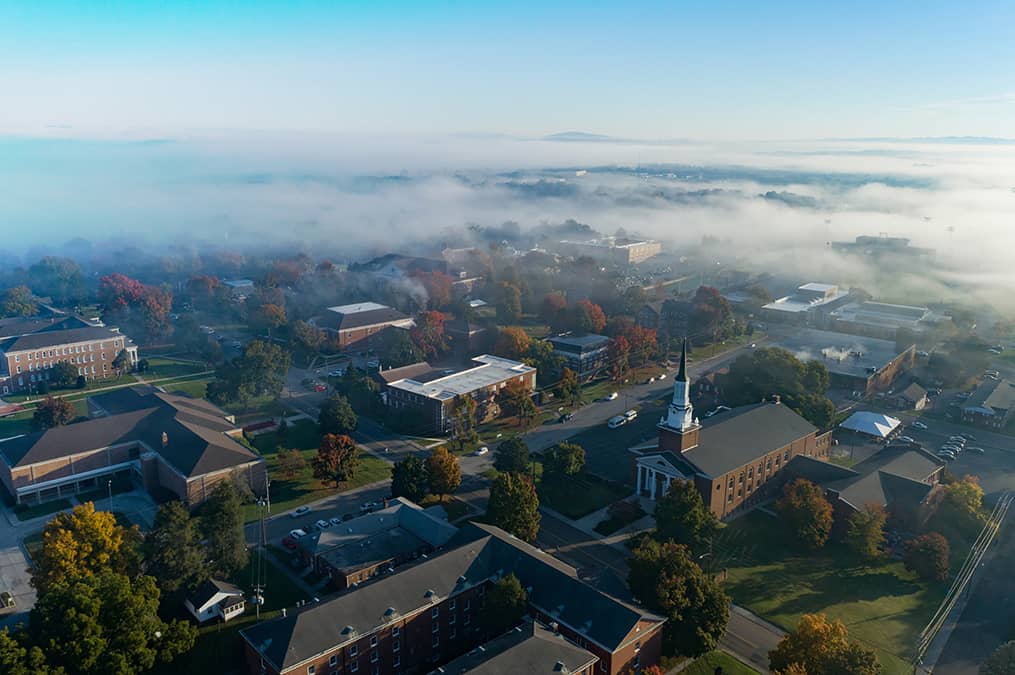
x: 680, y: 414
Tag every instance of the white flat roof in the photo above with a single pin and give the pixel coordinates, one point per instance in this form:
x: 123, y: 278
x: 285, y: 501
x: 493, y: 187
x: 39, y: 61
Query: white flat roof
x: 489, y: 370
x: 357, y: 307
x: 823, y: 288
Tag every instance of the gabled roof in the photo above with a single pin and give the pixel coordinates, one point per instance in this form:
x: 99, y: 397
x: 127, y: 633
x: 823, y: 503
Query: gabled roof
x: 913, y: 392
x: 895, y: 473
x: 207, y: 591
x: 481, y: 553
x: 24, y: 325
x: 51, y: 338
x: 992, y: 397
x: 737, y: 437
x: 196, y: 440
x: 528, y: 648
x: 347, y: 317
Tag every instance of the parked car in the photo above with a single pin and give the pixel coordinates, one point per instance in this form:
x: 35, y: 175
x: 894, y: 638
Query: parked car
x: 320, y: 387
x: 922, y: 354
x: 348, y: 516
x: 367, y: 507
x: 918, y: 425
x: 337, y: 372
x: 335, y: 521
x: 907, y: 439
x: 976, y: 450
x: 289, y: 543
x: 612, y: 396
x: 322, y: 524
x: 954, y: 449
x: 968, y: 436
x: 482, y: 450
x: 301, y: 511
x: 650, y: 380
x: 662, y: 377
x: 297, y: 533
x: 961, y: 440
x: 566, y: 417
x: 946, y: 456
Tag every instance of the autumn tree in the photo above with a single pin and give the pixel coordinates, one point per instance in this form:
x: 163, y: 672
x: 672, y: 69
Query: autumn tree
x: 291, y: 462
x: 337, y: 416
x: 809, y: 515
x: 512, y: 455
x: 516, y: 399
x: 711, y: 313
x: 1001, y: 661
x: 822, y: 646
x: 865, y: 532
x: 512, y: 342
x: 664, y: 578
x: 619, y: 352
x: 444, y: 472
x: 463, y: 422
x: 437, y: 285
x: 337, y: 459
x: 961, y: 509
x: 569, y: 388
x: 587, y: 317
x: 928, y: 555
x: 52, y: 412
x: 18, y: 301
x: 270, y: 316
x: 204, y: 290
x: 173, y: 554
x: 509, y: 302
x: 682, y: 516
x: 514, y: 505
x: 310, y: 338
x: 409, y: 479
x: 428, y: 334
x: 553, y: 310
x: 562, y: 461
x: 503, y: 607
x: 221, y: 525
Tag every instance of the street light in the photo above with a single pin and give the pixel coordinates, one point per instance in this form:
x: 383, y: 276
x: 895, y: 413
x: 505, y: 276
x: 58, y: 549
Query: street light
x: 109, y: 484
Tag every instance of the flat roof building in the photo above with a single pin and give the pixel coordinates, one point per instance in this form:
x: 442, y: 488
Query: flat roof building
x: 808, y: 300
x: 882, y: 320
x: 585, y: 354
x: 618, y: 250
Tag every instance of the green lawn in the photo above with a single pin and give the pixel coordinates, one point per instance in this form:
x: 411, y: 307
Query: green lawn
x: 606, y: 452
x: 159, y: 367
x: 882, y: 605
x: 44, y: 509
x: 15, y: 425
x: 195, y: 388
x: 289, y: 493
x: 454, y: 508
x: 580, y: 495
x: 707, y: 664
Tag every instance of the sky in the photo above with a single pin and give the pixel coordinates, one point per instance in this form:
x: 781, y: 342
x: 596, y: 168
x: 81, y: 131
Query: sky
x: 646, y: 70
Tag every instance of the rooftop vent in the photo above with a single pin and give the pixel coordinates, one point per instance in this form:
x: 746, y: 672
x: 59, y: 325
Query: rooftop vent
x: 559, y: 667
x: 348, y: 630
x: 462, y: 579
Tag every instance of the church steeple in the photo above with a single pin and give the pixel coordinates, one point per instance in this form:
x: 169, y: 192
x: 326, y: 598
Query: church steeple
x: 680, y: 413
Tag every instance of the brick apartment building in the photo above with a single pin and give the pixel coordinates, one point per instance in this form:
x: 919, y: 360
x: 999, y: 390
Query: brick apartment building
x: 359, y: 325
x: 161, y: 441
x: 732, y: 458
x: 376, y: 543
x: 434, y: 390
x: 529, y: 648
x: 30, y: 347
x: 991, y: 405
x: 426, y: 615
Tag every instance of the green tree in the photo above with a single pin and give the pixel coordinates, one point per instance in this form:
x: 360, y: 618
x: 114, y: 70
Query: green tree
x: 762, y: 373
x: 513, y: 456
x: 928, y: 555
x: 665, y: 579
x: 540, y: 356
x: 63, y: 374
x: 291, y: 463
x: 711, y: 313
x: 409, y: 479
x: 270, y: 316
x: 514, y: 506
x: 809, y: 515
x: 961, y: 509
x: 221, y: 524
x: 83, y: 542
x: 564, y: 460
x: 261, y: 371
x: 1001, y: 662
x: 396, y: 349
x: 682, y: 516
x: 463, y: 422
x: 337, y: 459
x: 503, y: 607
x: 509, y: 302
x: 173, y: 554
x: 310, y: 338
x: 444, y: 471
x: 52, y: 412
x: 569, y: 388
x: 16, y: 659
x: 337, y: 416
x: 865, y: 532
x: 18, y: 301
x: 818, y: 645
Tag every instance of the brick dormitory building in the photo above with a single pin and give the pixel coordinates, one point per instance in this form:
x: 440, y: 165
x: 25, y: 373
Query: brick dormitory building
x: 732, y: 458
x: 162, y: 441
x: 30, y: 347
x: 426, y: 615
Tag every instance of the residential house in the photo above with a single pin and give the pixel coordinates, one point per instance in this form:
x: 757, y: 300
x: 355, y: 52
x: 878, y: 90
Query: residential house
x: 215, y: 599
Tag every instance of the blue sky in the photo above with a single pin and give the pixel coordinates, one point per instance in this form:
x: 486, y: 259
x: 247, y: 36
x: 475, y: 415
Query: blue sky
x: 713, y: 70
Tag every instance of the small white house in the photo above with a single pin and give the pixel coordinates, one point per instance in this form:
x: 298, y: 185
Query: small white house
x: 215, y: 598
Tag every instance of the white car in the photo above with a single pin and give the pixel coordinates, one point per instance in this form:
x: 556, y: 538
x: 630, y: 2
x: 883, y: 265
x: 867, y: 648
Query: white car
x: 322, y: 524
x: 481, y: 451
x: 612, y: 396
x: 906, y: 439
x: 297, y: 533
x: 918, y: 425
x: 302, y: 511
x: 662, y: 377
x: 335, y: 521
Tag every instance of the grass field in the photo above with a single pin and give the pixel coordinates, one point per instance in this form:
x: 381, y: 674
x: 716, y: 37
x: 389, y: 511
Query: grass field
x: 580, y: 495
x: 159, y: 367
x: 289, y: 493
x: 707, y: 665
x: 194, y: 388
x: 882, y: 605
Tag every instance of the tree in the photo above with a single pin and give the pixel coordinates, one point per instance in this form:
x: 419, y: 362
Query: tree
x: 586, y: 317
x: 270, y: 316
x: 1001, y: 662
x: 665, y: 579
x: 311, y: 338
x: 809, y: 515
x: 961, y: 508
x: 503, y: 607
x: 619, y: 350
x: 437, y: 285
x: 444, y: 472
x: 64, y: 373
x: 682, y: 516
x: 865, y: 532
x: 428, y: 334
x: 337, y: 416
x: 513, y: 456
x: 52, y: 412
x: 409, y: 479
x: 261, y: 371
x: 514, y: 505
x: 553, y: 310
x: 463, y: 422
x: 337, y: 459
x: 509, y: 302
x: 762, y: 373
x: 15, y: 659
x: 515, y: 399
x: 711, y: 313
x: 107, y: 623
x: 396, y: 349
x: 564, y: 460
x: 221, y: 524
x: 818, y: 645
x: 18, y: 301
x: 928, y: 556
x: 83, y: 542
x: 512, y: 342
x: 540, y: 355
x: 291, y: 463
x: 569, y: 388
x: 60, y: 278
x: 173, y: 554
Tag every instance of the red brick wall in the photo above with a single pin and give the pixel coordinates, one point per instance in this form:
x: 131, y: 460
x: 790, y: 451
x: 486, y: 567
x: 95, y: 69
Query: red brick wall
x: 52, y: 355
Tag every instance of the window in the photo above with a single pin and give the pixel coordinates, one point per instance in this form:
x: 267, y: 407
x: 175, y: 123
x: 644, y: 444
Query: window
x: 777, y: 461
x: 768, y: 464
x: 394, y: 632
x: 718, y: 486
x: 750, y: 473
x: 740, y: 479
x: 435, y: 612
x: 468, y: 604
x: 311, y: 670
x: 453, y: 634
x: 395, y: 646
x: 373, y: 640
x: 397, y: 661
x: 482, y: 590
x: 436, y: 627
x: 451, y: 620
x: 740, y: 492
x: 333, y: 661
x: 373, y: 657
x: 436, y: 641
x: 452, y: 604
x: 354, y: 651
x: 785, y: 455
x: 354, y: 666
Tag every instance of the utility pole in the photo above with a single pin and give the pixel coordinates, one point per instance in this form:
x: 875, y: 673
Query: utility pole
x: 109, y: 484
x: 259, y: 564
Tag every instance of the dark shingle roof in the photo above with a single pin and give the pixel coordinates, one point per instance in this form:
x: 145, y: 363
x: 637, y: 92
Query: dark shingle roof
x: 737, y: 437
x: 896, y: 472
x: 51, y: 338
x: 23, y: 325
x: 913, y: 392
x: 209, y: 588
x: 529, y: 648
x: 411, y: 371
x: 482, y: 552
x: 338, y: 321
x: 992, y: 396
x: 195, y: 434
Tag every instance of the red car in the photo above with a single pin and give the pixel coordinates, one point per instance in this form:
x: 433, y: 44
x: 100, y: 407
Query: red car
x: 289, y: 543
x: 320, y: 387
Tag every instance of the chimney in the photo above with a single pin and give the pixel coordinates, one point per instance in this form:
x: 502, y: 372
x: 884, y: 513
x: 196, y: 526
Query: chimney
x: 776, y: 399
x: 165, y: 439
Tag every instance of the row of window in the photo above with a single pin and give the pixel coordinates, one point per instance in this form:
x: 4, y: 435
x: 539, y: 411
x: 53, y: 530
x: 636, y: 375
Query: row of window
x: 40, y: 377
x: 64, y: 351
